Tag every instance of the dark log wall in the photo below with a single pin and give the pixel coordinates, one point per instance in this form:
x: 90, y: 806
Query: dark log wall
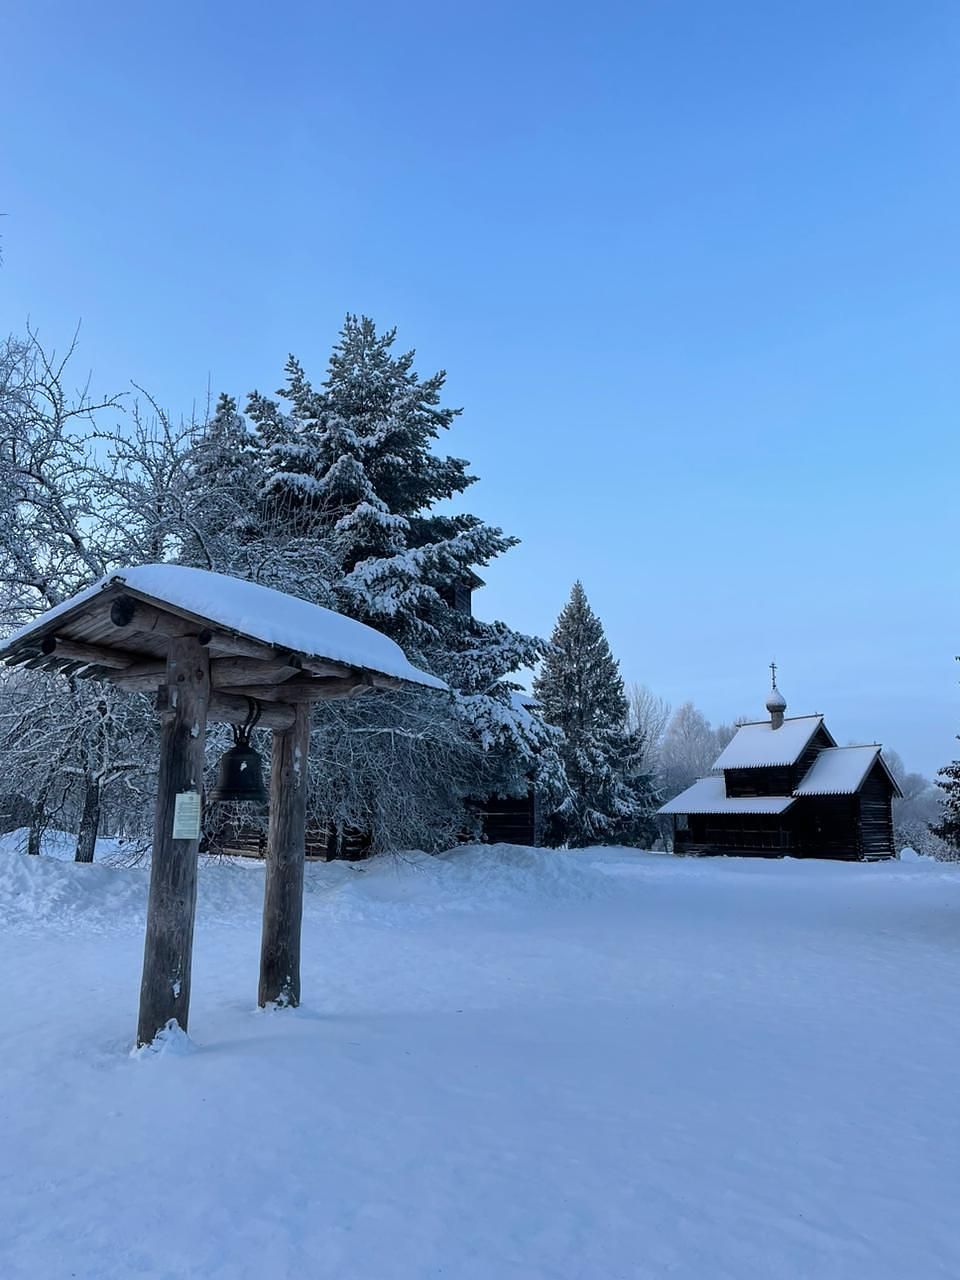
x: 510, y: 821
x: 827, y: 827
x: 458, y: 596
x: 742, y: 834
x: 772, y: 781
x: 876, y: 815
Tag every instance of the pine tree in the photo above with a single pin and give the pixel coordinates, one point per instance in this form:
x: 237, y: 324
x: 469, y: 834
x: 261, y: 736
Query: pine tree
x: 948, y: 828
x: 580, y: 691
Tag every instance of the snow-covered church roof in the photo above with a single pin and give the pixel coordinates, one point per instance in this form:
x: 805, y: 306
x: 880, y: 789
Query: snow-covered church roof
x: 837, y: 771
x: 708, y: 795
x: 250, y: 610
x: 759, y: 745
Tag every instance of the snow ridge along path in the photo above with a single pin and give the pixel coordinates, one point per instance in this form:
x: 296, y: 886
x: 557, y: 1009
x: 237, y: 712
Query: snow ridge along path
x: 511, y: 1065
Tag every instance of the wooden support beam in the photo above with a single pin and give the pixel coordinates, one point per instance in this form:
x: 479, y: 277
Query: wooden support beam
x: 168, y: 947
x: 227, y: 673
x: 318, y: 667
x: 76, y: 650
x: 230, y: 708
x: 295, y: 691
x: 142, y: 677
x: 229, y: 645
x: 286, y: 849
x: 142, y: 618
x: 20, y: 657
x: 93, y: 672
x: 384, y: 682
x: 39, y: 660
x: 137, y: 617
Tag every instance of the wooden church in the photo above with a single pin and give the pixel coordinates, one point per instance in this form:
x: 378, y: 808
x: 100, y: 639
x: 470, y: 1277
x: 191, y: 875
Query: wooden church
x: 783, y: 788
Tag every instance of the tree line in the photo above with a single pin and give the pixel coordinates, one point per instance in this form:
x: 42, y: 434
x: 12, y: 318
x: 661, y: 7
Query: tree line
x: 334, y: 491
x: 337, y: 492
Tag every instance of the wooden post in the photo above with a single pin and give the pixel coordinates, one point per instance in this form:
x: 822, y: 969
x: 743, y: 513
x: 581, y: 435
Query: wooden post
x: 165, y: 987
x: 283, y: 891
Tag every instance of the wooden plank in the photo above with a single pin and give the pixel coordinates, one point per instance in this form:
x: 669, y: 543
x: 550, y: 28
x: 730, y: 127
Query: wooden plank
x: 286, y: 848
x: 231, y: 708
x: 227, y: 673
x: 135, y: 616
x: 372, y: 678
x: 21, y: 656
x: 294, y: 691
x: 75, y: 650
x: 316, y: 667
x: 168, y: 946
x: 141, y: 677
x: 230, y: 674
x: 40, y: 662
x: 93, y: 672
x: 136, y: 613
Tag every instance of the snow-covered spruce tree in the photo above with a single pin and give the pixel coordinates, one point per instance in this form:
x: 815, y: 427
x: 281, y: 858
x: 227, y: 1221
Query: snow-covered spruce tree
x: 580, y: 691
x: 947, y: 828
x: 350, y: 471
x: 223, y: 480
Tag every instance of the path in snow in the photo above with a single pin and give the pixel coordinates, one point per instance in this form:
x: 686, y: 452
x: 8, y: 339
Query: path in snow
x: 511, y: 1065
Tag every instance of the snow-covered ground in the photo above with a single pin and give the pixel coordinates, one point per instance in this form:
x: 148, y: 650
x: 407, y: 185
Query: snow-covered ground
x: 510, y: 1065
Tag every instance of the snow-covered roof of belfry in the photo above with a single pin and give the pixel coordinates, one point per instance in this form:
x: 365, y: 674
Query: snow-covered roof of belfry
x: 708, y: 795
x: 247, y: 609
x: 754, y: 746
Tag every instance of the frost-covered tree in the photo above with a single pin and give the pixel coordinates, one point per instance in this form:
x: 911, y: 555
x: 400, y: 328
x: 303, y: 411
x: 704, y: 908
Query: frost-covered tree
x: 915, y: 809
x: 49, y: 547
x: 647, y: 717
x: 146, y: 505
x: 64, y: 744
x: 580, y: 691
x: 690, y: 747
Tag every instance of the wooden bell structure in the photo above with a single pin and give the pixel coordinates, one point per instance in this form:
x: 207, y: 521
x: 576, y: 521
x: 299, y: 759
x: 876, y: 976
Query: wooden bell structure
x: 224, y: 650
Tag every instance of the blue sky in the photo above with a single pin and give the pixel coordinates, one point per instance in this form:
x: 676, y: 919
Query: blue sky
x: 692, y: 268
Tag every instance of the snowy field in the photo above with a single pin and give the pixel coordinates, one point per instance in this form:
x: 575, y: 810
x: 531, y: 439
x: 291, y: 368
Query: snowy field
x: 510, y: 1065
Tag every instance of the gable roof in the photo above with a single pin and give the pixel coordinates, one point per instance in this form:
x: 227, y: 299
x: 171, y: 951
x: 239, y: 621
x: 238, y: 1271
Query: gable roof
x: 244, y: 608
x: 841, y: 771
x: 837, y: 771
x: 759, y: 745
x: 708, y: 795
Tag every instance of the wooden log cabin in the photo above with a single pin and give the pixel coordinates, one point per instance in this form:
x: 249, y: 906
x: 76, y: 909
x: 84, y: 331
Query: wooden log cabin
x: 783, y: 788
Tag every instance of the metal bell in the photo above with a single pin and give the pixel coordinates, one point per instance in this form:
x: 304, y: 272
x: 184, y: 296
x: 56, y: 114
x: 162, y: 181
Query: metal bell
x: 241, y: 774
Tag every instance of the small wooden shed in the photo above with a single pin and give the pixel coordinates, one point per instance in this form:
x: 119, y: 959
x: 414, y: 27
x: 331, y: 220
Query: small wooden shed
x: 211, y: 646
x: 783, y: 788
